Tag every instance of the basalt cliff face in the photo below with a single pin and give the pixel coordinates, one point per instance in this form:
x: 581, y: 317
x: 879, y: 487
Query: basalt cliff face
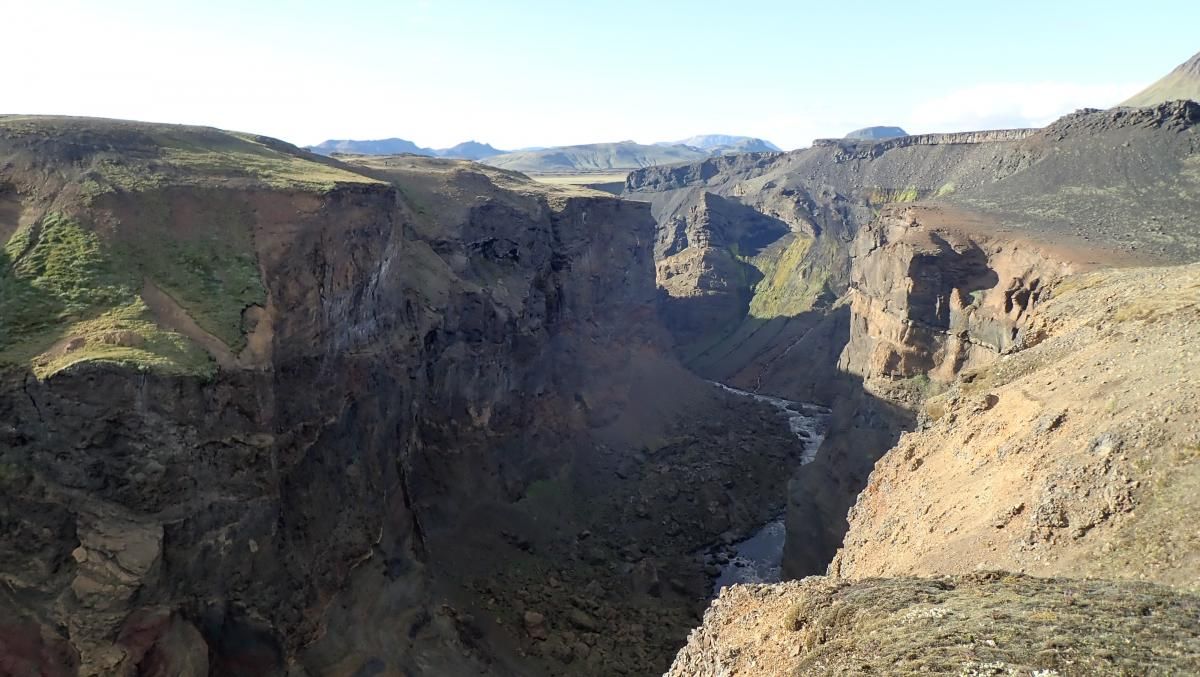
x: 244, y: 499
x: 934, y: 290
x: 268, y: 413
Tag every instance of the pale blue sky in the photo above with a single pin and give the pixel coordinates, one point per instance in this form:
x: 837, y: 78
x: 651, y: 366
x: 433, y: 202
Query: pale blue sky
x: 535, y: 72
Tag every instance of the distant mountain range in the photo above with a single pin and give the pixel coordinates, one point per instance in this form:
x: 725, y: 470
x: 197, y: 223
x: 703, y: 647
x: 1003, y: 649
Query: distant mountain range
x: 468, y: 150
x: 1181, y: 83
x: 621, y: 155
x: 725, y: 143
x: 595, y: 157
x: 627, y: 155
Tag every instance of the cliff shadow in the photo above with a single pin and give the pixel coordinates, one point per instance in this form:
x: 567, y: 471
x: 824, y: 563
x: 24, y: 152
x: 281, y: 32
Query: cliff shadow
x: 699, y: 321
x: 744, y: 229
x: 862, y: 428
x: 796, y: 357
x: 935, y: 278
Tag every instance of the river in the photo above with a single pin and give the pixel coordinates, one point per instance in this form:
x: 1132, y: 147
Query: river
x: 758, y: 558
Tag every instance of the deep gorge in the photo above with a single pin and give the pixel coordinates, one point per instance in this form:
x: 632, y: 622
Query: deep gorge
x: 462, y: 425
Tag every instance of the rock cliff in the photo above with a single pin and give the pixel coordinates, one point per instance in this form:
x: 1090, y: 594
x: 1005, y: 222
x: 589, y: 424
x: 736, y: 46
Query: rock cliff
x: 934, y: 290
x: 1073, y: 459
x: 864, y: 275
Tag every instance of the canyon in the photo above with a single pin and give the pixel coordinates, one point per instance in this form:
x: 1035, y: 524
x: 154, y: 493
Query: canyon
x: 264, y: 412
x: 953, y: 299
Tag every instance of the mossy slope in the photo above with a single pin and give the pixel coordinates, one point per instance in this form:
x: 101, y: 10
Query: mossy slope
x: 109, y: 193
x: 66, y: 297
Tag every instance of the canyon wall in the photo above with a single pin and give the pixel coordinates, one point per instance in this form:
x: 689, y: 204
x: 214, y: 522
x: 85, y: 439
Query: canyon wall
x: 1075, y: 456
x: 933, y: 291
x: 244, y: 500
x: 878, y: 147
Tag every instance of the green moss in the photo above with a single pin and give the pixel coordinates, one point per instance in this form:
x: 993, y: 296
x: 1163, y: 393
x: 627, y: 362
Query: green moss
x: 782, y: 290
x: 212, y: 274
x: 67, y: 297
x: 917, y: 388
x: 546, y: 490
x: 796, y: 276
x: 125, y: 335
x: 54, y: 272
x: 882, y: 196
x: 552, y: 496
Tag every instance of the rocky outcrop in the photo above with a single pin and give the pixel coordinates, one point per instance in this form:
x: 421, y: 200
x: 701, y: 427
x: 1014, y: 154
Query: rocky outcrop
x: 931, y: 294
x: 875, y: 147
x: 987, y: 623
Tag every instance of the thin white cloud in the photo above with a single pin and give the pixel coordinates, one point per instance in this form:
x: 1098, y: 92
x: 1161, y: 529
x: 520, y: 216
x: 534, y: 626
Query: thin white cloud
x: 1013, y: 104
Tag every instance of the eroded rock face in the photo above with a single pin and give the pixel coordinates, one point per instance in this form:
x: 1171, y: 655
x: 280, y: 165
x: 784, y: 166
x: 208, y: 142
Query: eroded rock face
x: 795, y: 215
x: 1064, y: 445
x: 1072, y: 457
x: 933, y: 292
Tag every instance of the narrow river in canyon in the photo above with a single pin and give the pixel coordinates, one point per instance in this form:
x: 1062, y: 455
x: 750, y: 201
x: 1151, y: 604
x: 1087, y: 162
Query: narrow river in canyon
x: 758, y: 558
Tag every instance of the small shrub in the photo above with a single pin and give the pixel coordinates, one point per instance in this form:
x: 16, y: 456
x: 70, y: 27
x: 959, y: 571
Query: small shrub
x: 793, y: 618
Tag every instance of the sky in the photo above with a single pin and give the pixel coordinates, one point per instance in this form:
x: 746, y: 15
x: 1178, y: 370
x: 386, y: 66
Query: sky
x: 518, y: 73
